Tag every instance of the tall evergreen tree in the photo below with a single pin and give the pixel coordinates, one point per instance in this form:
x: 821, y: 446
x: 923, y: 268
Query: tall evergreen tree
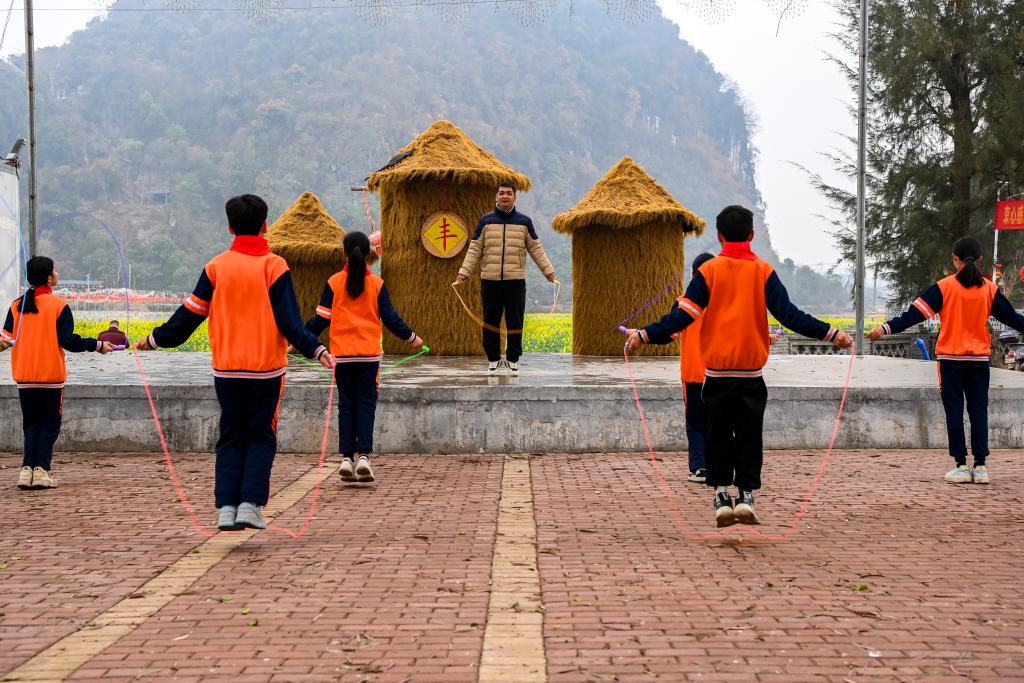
x: 945, y: 133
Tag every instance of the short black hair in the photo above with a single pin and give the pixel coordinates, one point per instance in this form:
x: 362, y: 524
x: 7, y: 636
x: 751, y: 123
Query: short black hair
x: 115, y: 322
x: 246, y: 214
x: 736, y: 223
x: 510, y: 185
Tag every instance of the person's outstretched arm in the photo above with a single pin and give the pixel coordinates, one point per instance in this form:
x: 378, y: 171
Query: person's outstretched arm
x: 777, y: 299
x: 185, y: 321
x: 321, y: 320
x: 1003, y: 311
x: 924, y: 307
x: 684, y: 312
x: 476, y: 248
x: 289, y: 320
x: 389, y: 316
x: 70, y: 341
x: 537, y: 252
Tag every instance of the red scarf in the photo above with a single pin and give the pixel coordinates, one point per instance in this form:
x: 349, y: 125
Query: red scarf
x: 252, y: 245
x: 43, y: 289
x: 739, y: 250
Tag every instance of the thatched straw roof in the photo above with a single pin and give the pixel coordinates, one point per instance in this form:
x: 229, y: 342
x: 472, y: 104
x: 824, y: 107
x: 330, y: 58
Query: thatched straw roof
x: 626, y: 197
x: 443, y: 152
x: 307, y: 234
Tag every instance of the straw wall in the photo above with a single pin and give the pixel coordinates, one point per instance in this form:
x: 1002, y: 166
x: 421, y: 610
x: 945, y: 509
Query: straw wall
x: 615, y: 272
x: 420, y: 284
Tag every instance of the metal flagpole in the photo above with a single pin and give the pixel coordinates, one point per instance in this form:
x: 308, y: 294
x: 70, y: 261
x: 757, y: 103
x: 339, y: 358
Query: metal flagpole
x: 31, y: 74
x: 859, y: 276
x: 995, y: 247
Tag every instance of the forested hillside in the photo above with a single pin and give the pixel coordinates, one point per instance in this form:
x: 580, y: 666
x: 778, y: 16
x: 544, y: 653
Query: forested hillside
x: 148, y: 120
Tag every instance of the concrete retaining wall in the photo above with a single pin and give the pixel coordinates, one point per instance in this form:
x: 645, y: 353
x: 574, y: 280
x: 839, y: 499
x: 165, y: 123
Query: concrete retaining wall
x: 505, y: 419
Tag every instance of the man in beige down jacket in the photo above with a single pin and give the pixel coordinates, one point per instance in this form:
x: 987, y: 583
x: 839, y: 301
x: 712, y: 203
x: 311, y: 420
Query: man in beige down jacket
x: 499, y: 246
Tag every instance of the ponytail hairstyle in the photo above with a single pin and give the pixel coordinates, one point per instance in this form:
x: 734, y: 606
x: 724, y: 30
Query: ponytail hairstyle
x: 356, y: 246
x: 38, y: 270
x: 968, y: 250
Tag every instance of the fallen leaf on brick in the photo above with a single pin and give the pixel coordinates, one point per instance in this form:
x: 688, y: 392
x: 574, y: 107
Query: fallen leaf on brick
x: 254, y: 622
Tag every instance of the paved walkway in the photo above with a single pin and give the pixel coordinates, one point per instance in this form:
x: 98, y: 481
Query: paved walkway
x: 486, y: 568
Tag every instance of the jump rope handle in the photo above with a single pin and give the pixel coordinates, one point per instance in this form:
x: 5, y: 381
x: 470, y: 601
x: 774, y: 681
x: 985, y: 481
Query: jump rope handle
x: 120, y: 347
x: 623, y: 330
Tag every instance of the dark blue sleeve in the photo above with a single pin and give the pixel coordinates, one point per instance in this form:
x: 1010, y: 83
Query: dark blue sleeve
x: 288, y: 318
x: 189, y: 316
x: 389, y: 316
x: 678, y: 319
x: 480, y: 226
x: 931, y: 299
x: 529, y: 228
x: 66, y: 336
x: 777, y: 300
x: 1002, y: 310
x: 318, y: 323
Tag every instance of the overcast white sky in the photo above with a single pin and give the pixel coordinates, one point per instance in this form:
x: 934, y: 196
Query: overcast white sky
x: 798, y: 98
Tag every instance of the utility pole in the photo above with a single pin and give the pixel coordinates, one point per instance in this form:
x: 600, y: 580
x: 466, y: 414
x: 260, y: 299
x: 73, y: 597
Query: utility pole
x: 862, y: 106
x: 30, y: 72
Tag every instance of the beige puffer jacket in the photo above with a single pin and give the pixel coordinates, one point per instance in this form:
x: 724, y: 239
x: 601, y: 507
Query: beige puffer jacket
x: 499, y: 245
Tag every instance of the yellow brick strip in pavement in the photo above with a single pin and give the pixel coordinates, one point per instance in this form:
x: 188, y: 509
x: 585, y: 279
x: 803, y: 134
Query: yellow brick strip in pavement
x: 61, y: 659
x: 513, y: 647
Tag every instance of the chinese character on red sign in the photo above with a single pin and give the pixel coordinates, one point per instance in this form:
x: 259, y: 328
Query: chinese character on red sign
x: 1010, y: 215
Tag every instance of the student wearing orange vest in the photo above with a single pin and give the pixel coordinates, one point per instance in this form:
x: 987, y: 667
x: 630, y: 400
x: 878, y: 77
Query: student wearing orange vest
x: 965, y: 300
x: 40, y: 327
x: 247, y: 294
x: 733, y: 293
x: 356, y: 306
x: 691, y: 372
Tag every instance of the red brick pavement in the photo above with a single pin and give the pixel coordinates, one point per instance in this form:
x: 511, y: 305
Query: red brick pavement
x: 112, y: 524
x: 895, y: 575
x: 390, y: 584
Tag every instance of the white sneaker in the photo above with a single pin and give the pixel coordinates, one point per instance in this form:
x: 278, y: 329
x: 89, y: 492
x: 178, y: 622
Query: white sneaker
x: 42, y: 479
x: 226, y: 518
x: 25, y: 478
x: 980, y: 474
x: 961, y: 474
x: 513, y: 368
x: 492, y: 367
x: 363, y: 470
x: 347, y: 471
x: 250, y: 516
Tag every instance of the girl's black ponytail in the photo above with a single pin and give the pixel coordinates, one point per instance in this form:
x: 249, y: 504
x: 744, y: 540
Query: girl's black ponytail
x: 356, y: 246
x: 38, y: 271
x: 968, y: 250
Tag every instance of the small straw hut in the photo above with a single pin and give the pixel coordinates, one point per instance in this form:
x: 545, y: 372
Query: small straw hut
x: 309, y: 239
x: 442, y: 170
x: 627, y: 247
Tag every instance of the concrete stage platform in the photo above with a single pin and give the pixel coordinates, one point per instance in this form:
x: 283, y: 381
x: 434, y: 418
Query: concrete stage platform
x: 558, y: 404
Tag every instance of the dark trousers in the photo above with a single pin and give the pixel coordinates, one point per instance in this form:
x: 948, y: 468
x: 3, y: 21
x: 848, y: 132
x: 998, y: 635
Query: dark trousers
x: 959, y: 379
x: 248, y: 438
x: 358, y: 385
x: 41, y: 412
x: 735, y: 412
x: 696, y: 424
x: 506, y: 297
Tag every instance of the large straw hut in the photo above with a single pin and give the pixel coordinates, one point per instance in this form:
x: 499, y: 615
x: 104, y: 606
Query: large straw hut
x: 627, y: 247
x: 440, y: 173
x: 309, y: 239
